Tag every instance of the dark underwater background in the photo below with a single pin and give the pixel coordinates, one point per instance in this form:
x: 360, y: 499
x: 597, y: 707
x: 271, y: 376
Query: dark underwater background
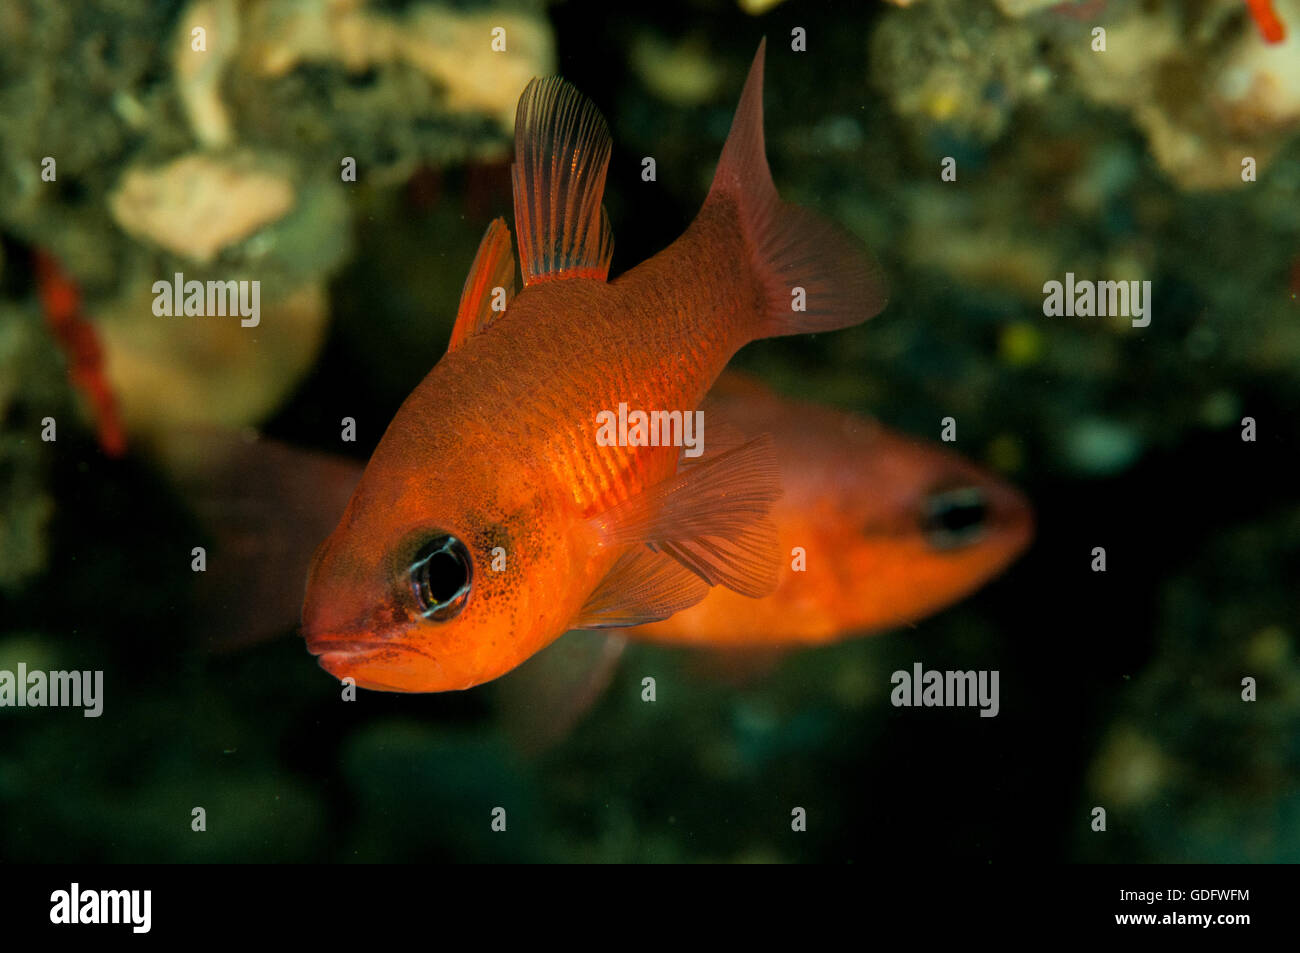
x: 1120, y: 689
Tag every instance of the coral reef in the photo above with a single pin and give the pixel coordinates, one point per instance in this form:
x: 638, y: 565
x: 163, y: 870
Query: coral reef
x: 131, y: 200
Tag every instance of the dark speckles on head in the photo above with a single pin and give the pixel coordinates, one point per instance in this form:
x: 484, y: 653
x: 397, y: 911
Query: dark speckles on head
x: 493, y: 535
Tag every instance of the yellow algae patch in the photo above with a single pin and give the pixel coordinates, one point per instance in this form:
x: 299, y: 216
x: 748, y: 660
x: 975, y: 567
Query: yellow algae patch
x: 1005, y: 454
x: 1130, y: 769
x: 1020, y: 344
x: 683, y: 73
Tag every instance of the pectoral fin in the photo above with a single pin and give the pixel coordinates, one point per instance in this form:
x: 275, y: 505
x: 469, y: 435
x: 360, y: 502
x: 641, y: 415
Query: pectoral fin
x: 643, y: 586
x: 713, y: 517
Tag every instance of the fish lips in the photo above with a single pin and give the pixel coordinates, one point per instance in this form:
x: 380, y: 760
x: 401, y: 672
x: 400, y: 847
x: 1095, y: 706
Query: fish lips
x: 376, y: 665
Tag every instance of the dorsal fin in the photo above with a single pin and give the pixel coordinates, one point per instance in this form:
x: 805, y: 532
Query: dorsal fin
x: 562, y: 150
x: 494, y: 267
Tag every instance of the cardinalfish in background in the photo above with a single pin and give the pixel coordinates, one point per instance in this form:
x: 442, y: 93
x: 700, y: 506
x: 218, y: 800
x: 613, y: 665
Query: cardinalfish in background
x: 877, y: 530
x: 885, y: 530
x: 490, y: 520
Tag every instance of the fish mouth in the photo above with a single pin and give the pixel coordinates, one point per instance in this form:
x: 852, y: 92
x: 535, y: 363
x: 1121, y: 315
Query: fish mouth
x: 345, y: 646
x: 377, y: 666
x: 346, y: 664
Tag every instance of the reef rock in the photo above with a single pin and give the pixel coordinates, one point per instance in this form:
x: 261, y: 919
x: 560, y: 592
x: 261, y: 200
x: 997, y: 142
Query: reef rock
x: 198, y: 204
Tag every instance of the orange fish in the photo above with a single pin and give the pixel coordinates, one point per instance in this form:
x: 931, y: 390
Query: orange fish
x: 492, y: 518
x: 885, y: 529
x: 893, y: 528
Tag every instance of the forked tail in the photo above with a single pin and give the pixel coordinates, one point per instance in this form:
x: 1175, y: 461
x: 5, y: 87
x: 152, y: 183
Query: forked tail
x: 815, y: 276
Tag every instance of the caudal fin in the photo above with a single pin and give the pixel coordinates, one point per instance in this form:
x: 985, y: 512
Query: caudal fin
x: 791, y: 247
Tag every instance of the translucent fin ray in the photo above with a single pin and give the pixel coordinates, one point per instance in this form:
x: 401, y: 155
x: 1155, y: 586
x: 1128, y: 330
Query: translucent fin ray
x: 493, y: 268
x: 562, y: 148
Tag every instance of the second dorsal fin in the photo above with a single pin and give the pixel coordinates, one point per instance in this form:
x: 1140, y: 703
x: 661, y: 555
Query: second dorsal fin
x: 493, y: 268
x: 562, y: 148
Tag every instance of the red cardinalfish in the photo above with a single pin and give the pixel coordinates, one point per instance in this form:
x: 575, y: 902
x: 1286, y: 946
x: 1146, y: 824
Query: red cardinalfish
x: 490, y: 520
x: 885, y: 529
x: 893, y: 529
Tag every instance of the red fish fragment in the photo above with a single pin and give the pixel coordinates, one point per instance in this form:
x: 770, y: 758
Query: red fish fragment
x: 1267, y: 20
x: 61, y: 302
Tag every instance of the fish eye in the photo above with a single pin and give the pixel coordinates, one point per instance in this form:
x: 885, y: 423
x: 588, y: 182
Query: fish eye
x: 954, y: 517
x: 441, y: 573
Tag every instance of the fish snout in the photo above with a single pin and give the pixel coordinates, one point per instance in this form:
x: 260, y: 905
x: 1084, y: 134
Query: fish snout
x: 387, y: 667
x: 341, y: 606
x: 1013, y: 517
